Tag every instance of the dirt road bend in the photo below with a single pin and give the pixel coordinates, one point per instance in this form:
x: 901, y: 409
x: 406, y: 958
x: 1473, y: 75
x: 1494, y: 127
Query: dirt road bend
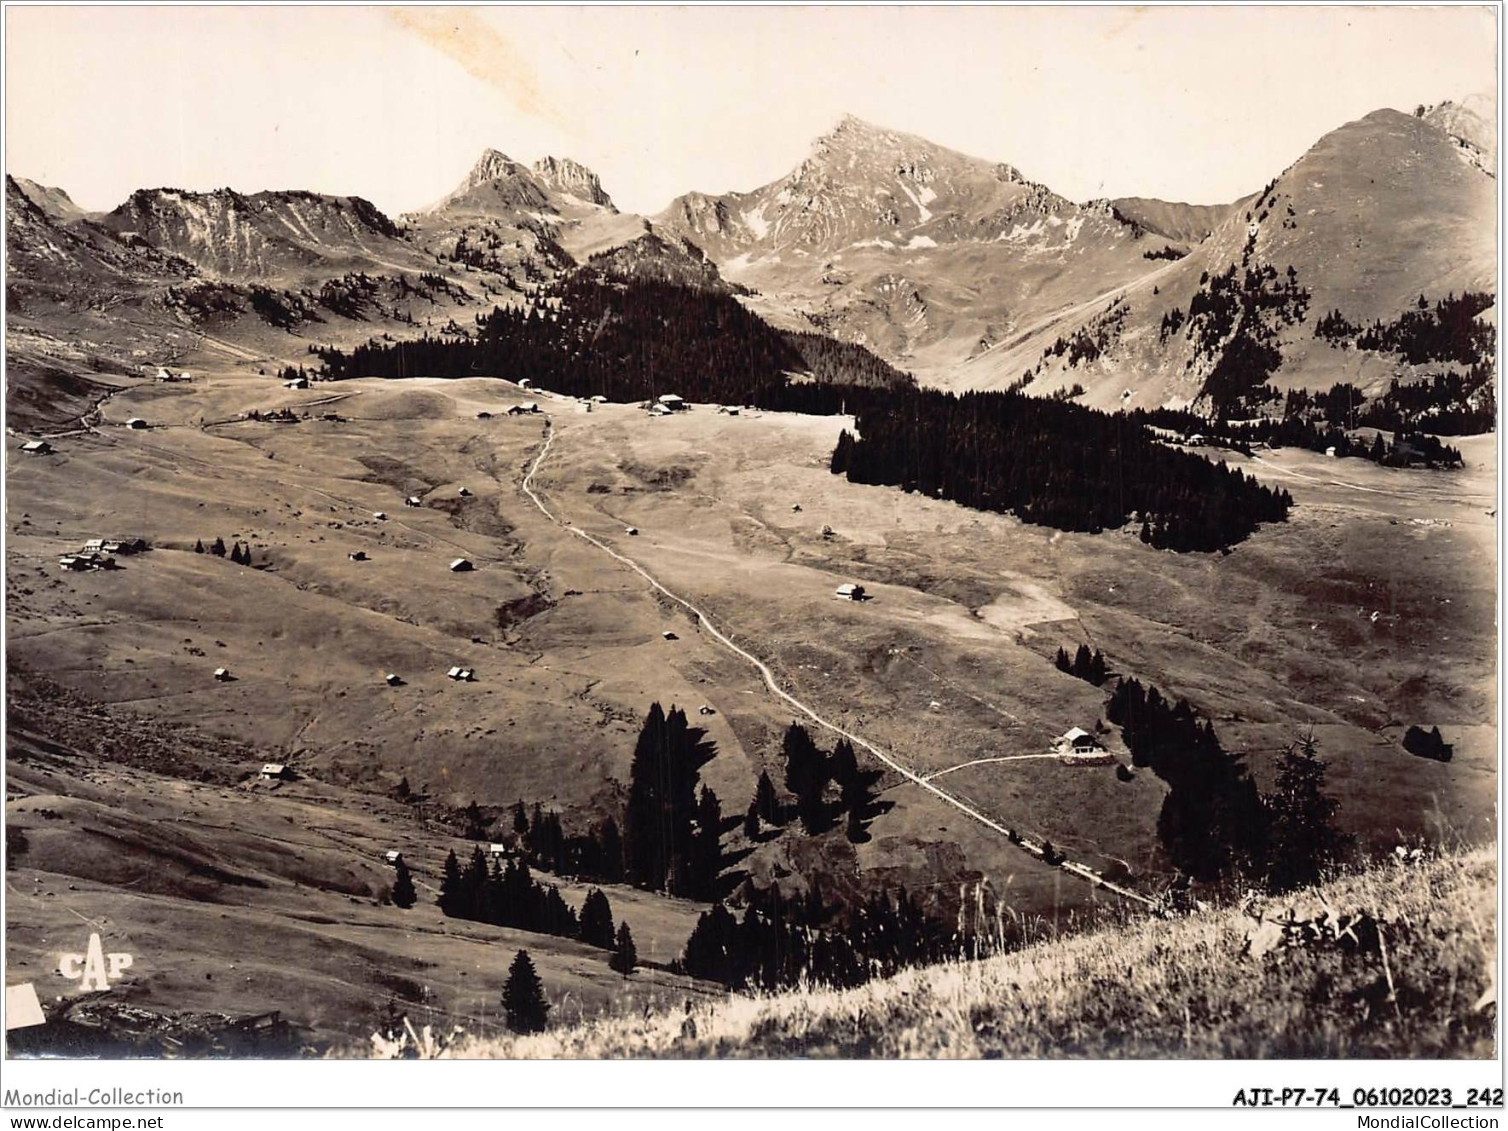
x: 1076, y: 869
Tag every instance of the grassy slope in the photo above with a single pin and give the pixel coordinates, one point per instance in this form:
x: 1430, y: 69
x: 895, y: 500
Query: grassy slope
x: 968, y: 610
x: 236, y: 897
x: 1154, y: 988
x: 1376, y: 212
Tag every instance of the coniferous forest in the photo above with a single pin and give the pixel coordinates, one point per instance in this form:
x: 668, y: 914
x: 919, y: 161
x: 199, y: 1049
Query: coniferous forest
x: 506, y: 896
x: 1054, y: 464
x: 590, y: 335
x: 789, y: 940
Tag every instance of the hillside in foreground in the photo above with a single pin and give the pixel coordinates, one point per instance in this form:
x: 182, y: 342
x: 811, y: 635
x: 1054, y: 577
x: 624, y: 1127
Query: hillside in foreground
x: 1394, y: 961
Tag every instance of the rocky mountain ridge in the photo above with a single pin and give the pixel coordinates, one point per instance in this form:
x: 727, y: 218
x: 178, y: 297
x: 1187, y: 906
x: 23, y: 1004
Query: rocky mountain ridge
x: 960, y: 269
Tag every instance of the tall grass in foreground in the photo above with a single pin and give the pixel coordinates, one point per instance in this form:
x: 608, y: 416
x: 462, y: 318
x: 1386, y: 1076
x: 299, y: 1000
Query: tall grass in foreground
x: 1185, y: 987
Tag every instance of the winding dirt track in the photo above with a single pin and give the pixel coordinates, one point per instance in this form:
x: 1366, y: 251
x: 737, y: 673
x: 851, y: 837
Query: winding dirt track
x: 1072, y: 867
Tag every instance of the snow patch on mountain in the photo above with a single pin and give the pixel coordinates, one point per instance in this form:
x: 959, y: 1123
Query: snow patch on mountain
x: 755, y: 221
x: 922, y: 210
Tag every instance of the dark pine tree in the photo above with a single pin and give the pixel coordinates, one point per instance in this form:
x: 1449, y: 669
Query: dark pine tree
x: 838, y: 465
x: 535, y: 835
x: 766, y: 800
x: 556, y: 916
x: 610, y: 851
x: 549, y: 843
x: 1098, y: 672
x: 218, y: 549
x: 1083, y: 662
x: 712, y: 946
x: 404, y: 895
x: 476, y: 823
x: 198, y: 545
x: 597, y: 920
x: 806, y: 775
x: 856, y: 790
x: 662, y: 802
x: 842, y: 765
x: 476, y: 893
x: 625, y: 957
x: 520, y: 821
x: 524, y: 1004
x: 706, y: 846
x: 1302, y: 837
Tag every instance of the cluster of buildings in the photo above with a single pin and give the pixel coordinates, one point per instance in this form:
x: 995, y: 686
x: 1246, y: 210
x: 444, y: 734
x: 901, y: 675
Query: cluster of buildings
x: 666, y: 404
x: 100, y: 553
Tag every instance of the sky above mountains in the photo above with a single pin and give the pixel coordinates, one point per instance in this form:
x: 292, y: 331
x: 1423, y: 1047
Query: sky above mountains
x: 1195, y: 104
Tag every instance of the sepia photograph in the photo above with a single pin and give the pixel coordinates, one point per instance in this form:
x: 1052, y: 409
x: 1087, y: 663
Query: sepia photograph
x: 742, y: 534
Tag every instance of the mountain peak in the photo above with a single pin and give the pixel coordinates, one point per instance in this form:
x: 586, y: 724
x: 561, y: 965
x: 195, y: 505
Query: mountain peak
x: 495, y: 181
x: 498, y: 181
x: 492, y: 166
x: 851, y: 131
x: 572, y: 177
x: 854, y: 123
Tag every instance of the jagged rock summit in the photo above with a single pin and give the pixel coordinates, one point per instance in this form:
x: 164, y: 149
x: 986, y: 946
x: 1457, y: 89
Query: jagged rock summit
x: 563, y: 175
x: 916, y: 250
x: 860, y: 182
x: 497, y: 184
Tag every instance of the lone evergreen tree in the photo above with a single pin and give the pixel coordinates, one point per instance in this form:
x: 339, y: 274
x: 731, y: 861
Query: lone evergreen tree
x: 1302, y: 837
x: 198, y: 545
x: 404, y: 895
x: 1083, y: 662
x: 662, y: 802
x: 625, y: 957
x: 1098, y: 671
x: 766, y: 801
x: 524, y: 1004
x: 597, y: 920
x: 856, y: 790
x: 806, y: 775
x: 218, y: 549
